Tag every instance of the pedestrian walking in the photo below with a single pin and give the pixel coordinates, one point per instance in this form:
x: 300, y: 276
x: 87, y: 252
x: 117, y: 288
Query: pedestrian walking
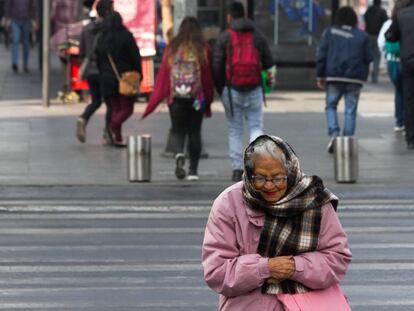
x: 401, y: 30
x: 185, y: 80
x: 274, y: 238
x: 117, y: 53
x: 88, y: 44
x: 342, y: 66
x: 374, y: 17
x: 4, y: 31
x: 22, y: 15
x: 391, y: 51
x: 240, y: 54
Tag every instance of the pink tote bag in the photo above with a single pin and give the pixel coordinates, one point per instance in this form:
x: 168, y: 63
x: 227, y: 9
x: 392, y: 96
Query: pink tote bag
x: 329, y: 299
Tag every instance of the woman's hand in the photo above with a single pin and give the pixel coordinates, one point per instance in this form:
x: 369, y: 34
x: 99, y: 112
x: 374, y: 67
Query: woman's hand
x: 281, y: 268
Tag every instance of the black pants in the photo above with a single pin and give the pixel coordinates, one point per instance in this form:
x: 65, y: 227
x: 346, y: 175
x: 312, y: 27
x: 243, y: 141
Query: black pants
x: 408, y: 98
x: 96, y: 100
x: 187, y: 121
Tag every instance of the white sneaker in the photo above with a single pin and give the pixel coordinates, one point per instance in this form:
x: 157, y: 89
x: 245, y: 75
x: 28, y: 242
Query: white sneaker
x: 192, y: 177
x: 330, y: 147
x: 179, y: 166
x: 398, y: 128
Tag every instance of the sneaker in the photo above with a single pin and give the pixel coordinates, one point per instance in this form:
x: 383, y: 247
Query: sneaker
x: 15, y: 68
x: 330, y: 147
x: 26, y: 69
x: 192, y: 177
x: 237, y: 175
x: 107, y: 139
x: 179, y: 166
x: 399, y: 128
x: 81, y: 129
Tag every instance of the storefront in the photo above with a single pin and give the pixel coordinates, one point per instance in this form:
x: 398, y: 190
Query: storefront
x: 293, y: 28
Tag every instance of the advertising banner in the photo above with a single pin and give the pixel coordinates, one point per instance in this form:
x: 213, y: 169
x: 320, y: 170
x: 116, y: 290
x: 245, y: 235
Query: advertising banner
x: 140, y: 18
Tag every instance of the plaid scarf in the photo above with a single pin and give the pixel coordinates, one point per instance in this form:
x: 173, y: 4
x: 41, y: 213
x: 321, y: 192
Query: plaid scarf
x: 292, y: 224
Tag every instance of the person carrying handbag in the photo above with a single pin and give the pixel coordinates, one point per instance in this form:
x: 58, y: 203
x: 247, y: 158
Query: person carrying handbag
x: 118, y: 43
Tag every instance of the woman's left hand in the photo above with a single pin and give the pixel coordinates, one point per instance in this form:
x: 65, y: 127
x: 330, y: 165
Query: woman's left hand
x: 281, y: 267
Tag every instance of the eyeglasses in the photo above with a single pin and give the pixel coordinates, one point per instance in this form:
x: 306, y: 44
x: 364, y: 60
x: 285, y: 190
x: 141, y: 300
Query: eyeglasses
x: 260, y: 180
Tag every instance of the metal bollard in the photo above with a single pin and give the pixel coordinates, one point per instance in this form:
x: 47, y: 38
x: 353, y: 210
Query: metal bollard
x: 139, y: 158
x: 346, y: 159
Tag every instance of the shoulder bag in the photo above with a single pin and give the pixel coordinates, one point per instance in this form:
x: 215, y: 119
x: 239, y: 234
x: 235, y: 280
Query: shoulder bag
x: 129, y: 81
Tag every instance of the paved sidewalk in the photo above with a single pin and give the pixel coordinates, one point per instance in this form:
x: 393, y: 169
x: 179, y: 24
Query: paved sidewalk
x: 38, y: 145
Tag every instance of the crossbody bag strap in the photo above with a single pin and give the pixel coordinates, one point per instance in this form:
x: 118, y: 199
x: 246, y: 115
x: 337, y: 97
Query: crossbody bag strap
x: 111, y: 60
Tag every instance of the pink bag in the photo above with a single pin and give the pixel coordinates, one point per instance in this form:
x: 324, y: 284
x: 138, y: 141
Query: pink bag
x: 329, y: 299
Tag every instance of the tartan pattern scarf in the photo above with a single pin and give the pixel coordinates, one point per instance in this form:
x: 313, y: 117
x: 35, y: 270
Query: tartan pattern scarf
x: 292, y: 224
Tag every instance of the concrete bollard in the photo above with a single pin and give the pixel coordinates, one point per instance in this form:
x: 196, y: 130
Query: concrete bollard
x: 139, y: 158
x: 346, y: 159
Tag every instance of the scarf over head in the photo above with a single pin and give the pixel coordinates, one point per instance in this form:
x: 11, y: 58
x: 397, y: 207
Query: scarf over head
x: 292, y: 224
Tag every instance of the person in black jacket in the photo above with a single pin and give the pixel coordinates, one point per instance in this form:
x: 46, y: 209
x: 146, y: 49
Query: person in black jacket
x: 401, y: 30
x: 119, y: 44
x: 374, y: 17
x: 89, y: 37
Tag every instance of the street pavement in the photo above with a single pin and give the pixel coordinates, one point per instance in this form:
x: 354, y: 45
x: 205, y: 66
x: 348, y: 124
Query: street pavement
x: 106, y: 256
x: 77, y: 235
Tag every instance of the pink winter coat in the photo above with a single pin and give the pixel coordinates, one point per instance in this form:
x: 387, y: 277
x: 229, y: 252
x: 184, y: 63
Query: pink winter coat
x: 234, y: 269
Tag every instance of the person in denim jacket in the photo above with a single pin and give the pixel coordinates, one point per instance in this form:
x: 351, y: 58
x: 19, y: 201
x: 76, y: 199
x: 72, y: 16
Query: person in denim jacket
x: 342, y: 65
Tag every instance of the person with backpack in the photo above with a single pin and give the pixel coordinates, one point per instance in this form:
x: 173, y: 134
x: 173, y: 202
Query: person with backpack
x: 185, y: 80
x: 342, y: 64
x: 240, y: 54
x: 392, y: 55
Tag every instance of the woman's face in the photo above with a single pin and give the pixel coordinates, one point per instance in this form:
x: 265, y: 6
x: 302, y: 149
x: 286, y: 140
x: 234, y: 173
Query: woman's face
x: 269, y: 178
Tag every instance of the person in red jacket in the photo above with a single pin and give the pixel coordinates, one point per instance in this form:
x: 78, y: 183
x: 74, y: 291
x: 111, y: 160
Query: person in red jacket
x: 185, y: 80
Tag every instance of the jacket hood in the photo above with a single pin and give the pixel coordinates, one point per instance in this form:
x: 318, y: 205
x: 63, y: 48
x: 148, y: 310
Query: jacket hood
x: 242, y: 24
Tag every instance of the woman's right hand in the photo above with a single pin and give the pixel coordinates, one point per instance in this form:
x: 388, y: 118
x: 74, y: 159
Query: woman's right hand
x: 281, y: 268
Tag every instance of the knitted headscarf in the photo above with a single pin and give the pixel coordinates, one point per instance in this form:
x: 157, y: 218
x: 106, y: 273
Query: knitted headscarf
x: 292, y: 224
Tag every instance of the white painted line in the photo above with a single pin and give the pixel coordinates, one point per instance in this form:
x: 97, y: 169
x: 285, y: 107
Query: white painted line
x: 84, y: 231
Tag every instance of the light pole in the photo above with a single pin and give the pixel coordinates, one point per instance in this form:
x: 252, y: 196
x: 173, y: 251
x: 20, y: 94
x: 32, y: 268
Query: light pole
x: 45, y: 53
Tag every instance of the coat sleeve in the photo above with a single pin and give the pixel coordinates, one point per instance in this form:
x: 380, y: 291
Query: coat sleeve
x: 207, y: 82
x: 226, y: 271
x: 161, y: 87
x: 135, y: 55
x: 322, y: 56
x: 328, y: 265
x: 266, y: 56
x: 219, y: 61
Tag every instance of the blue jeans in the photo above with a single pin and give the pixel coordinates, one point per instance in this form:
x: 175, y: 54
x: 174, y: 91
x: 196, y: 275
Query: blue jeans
x: 21, y: 33
x: 394, y: 71
x: 246, y: 105
x: 334, y: 92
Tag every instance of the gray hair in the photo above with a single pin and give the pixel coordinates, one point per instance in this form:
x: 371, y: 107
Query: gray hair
x: 263, y: 146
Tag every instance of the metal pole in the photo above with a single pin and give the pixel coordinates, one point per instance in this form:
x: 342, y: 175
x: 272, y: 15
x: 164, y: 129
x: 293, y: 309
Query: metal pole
x: 45, y: 54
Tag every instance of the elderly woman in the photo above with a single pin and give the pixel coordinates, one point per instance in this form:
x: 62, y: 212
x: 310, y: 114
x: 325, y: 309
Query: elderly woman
x: 274, y: 233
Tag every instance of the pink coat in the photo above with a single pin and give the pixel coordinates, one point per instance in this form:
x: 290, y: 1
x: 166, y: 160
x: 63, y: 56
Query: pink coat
x: 233, y: 268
